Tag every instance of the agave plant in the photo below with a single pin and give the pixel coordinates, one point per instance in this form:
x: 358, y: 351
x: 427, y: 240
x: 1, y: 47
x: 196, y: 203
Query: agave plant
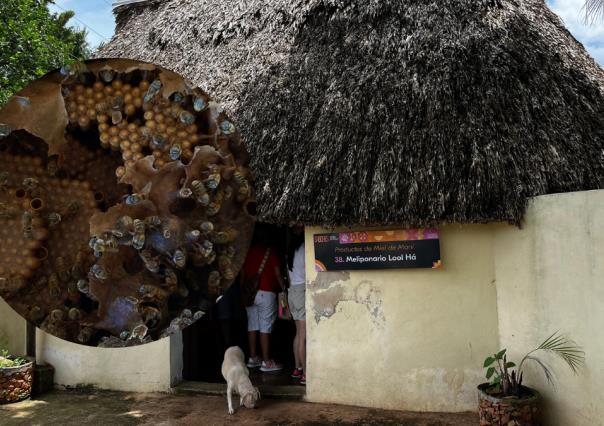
x: 506, y: 378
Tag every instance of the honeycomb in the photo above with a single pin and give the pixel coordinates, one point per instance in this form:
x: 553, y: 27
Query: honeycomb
x: 125, y: 225
x: 92, y: 165
x: 53, y: 195
x: 166, y: 130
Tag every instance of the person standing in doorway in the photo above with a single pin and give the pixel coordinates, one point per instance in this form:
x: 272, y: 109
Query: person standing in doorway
x: 297, y: 299
x: 263, y: 261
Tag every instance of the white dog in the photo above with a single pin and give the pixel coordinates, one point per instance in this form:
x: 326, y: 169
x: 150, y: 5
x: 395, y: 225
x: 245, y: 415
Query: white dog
x: 237, y: 377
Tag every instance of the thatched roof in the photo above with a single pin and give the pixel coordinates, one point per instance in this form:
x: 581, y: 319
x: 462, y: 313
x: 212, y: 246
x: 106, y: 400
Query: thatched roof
x: 388, y: 111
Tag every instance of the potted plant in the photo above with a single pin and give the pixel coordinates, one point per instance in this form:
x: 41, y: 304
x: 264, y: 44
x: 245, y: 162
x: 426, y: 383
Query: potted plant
x: 504, y: 401
x: 16, y: 378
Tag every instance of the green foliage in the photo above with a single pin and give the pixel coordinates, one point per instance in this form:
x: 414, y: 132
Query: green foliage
x: 7, y: 361
x: 507, y: 381
x: 34, y: 41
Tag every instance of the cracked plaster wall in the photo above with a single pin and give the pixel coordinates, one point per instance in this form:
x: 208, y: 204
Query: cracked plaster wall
x: 409, y: 339
x: 416, y: 339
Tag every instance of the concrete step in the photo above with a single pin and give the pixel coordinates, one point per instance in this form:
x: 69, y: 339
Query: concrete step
x: 291, y: 392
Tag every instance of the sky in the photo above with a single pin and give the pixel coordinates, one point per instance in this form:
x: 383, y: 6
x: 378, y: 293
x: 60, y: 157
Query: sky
x: 592, y: 36
x: 96, y: 15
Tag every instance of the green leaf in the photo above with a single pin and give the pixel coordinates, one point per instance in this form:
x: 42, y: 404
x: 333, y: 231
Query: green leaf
x: 566, y: 349
x: 500, y: 354
x: 34, y: 41
x: 490, y: 360
x: 510, y: 364
x: 490, y: 372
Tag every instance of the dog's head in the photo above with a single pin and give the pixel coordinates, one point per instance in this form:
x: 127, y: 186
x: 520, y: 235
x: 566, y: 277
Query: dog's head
x: 249, y: 399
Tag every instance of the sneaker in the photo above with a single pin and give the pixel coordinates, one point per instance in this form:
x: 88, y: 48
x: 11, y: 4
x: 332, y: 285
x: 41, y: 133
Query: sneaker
x: 297, y: 373
x: 254, y: 363
x: 303, y: 379
x: 270, y: 366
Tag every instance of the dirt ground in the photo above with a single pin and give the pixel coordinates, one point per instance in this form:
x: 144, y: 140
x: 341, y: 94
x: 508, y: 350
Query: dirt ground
x: 115, y: 408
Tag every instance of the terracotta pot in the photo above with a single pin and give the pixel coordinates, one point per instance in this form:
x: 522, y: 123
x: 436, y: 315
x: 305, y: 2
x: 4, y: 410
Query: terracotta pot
x: 16, y: 383
x: 508, y: 411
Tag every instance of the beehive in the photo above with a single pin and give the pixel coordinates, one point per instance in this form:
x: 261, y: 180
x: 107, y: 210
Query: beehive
x: 138, y: 206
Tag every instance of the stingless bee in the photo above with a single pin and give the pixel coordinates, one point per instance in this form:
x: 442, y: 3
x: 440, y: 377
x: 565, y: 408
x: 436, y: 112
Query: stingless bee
x: 179, y: 258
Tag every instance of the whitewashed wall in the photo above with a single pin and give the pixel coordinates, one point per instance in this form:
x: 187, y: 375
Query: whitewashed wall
x: 416, y: 339
x: 151, y: 367
x: 550, y: 276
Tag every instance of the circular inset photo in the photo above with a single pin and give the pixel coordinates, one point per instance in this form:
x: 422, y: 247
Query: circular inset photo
x: 126, y: 203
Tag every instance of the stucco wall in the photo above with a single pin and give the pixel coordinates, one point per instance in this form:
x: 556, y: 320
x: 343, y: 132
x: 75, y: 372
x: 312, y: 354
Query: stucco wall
x: 147, y: 368
x: 12, y: 330
x: 409, y: 339
x: 152, y: 367
x: 416, y: 339
x: 550, y: 276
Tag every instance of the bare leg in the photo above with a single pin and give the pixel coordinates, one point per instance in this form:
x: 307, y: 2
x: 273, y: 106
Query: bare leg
x: 296, y: 346
x: 230, y: 398
x: 302, y: 343
x: 251, y: 335
x: 264, y: 344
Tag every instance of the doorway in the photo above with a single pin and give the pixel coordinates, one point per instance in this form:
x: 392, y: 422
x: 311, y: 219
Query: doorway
x: 225, y: 325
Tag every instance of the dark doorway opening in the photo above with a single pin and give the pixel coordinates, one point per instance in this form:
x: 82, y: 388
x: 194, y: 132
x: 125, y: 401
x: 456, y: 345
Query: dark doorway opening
x: 205, y: 341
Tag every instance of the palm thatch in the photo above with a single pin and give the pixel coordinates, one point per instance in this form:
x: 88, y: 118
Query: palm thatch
x: 388, y: 111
